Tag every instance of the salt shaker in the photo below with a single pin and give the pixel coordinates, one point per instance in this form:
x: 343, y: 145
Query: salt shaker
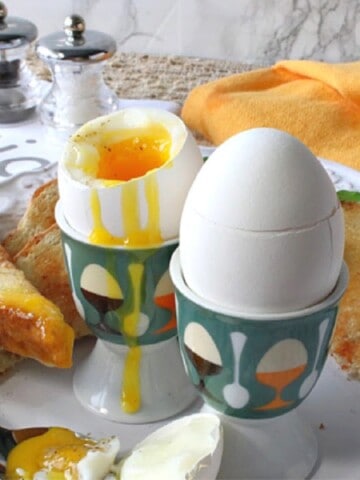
x: 19, y: 89
x: 76, y: 58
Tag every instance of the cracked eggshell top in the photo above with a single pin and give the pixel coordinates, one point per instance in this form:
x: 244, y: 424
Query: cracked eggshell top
x: 123, y: 178
x: 262, y: 229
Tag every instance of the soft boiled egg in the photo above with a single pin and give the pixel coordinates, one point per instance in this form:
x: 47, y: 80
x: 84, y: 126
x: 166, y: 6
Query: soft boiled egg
x: 262, y: 229
x: 60, y: 454
x: 188, y: 448
x: 123, y: 178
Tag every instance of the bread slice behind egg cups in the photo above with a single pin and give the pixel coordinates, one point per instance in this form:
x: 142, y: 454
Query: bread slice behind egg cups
x: 34, y: 247
x: 345, y: 346
x: 39, y: 216
x: 43, y: 264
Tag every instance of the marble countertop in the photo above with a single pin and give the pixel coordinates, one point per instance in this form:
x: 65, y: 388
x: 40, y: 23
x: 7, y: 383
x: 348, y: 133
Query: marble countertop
x: 253, y: 31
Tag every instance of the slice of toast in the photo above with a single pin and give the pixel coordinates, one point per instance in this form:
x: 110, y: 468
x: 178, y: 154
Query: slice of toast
x: 345, y: 346
x: 38, y: 216
x: 30, y: 325
x: 35, y: 247
x: 42, y: 261
x: 8, y: 360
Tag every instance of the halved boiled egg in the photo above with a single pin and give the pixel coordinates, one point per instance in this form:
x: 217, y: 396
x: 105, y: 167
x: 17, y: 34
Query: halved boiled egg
x: 187, y: 448
x: 60, y: 454
x: 124, y: 177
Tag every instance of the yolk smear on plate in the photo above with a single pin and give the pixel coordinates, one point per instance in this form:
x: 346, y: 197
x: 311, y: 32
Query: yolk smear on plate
x: 136, y: 155
x: 58, y: 451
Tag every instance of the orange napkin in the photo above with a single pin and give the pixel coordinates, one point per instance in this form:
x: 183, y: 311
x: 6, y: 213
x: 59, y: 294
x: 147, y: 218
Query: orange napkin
x: 319, y: 103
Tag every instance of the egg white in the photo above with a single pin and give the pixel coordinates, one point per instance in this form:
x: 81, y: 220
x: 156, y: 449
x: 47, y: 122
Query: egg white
x: 190, y: 447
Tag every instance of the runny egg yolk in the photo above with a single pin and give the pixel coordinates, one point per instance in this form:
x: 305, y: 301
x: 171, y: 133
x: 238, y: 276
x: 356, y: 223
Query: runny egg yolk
x: 141, y: 151
x: 56, y: 452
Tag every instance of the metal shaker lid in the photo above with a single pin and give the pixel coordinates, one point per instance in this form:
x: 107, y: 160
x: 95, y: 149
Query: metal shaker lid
x: 76, y: 44
x: 15, y: 31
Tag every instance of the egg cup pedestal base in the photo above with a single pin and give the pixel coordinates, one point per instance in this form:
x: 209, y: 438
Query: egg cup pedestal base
x: 165, y: 389
x: 283, y: 447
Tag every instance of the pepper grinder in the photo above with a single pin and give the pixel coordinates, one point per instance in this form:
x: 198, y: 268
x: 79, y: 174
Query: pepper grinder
x: 19, y: 89
x: 76, y: 59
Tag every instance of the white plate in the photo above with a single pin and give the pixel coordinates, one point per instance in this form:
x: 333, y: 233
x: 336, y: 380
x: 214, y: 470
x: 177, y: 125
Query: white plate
x: 32, y: 394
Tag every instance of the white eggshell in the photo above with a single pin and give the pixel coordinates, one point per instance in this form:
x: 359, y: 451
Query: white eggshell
x: 263, y: 180
x: 169, y: 183
x: 262, y: 243
x: 98, y: 462
x: 188, y: 448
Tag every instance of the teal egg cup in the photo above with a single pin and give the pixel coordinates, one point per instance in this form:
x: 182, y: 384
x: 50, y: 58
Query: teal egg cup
x: 256, y: 369
x: 134, y: 274
x: 126, y: 297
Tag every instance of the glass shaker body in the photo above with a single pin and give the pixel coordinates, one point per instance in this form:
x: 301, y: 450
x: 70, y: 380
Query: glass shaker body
x: 78, y: 94
x: 76, y: 58
x: 20, y: 90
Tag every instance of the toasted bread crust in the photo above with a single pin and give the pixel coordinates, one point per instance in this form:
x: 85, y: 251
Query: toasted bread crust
x: 345, y: 345
x: 38, y: 216
x: 43, y: 263
x: 23, y: 335
x: 8, y: 360
x: 35, y: 247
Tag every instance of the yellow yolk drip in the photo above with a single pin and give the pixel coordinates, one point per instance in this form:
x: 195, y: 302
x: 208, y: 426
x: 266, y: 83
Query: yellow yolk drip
x: 152, y: 198
x: 135, y: 234
x: 136, y: 155
x: 100, y: 235
x: 57, y: 452
x: 131, y: 395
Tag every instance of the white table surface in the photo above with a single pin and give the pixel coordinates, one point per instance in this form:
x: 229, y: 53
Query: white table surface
x: 32, y: 394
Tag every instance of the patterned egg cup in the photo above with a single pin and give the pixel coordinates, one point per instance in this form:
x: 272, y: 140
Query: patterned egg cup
x: 254, y: 371
x: 135, y: 373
